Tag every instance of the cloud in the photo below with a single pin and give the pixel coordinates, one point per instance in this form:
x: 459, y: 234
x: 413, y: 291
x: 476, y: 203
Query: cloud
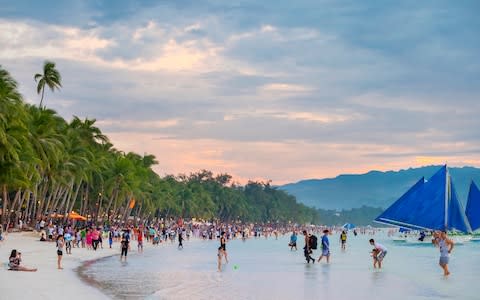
x: 261, y: 90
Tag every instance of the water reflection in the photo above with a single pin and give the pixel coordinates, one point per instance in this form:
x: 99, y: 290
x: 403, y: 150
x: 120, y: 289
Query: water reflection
x: 267, y: 269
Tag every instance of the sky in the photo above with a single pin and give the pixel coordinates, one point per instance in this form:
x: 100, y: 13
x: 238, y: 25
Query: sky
x: 262, y: 90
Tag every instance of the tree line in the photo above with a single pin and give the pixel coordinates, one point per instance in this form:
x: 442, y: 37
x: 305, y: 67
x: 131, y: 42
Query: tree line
x: 51, y: 166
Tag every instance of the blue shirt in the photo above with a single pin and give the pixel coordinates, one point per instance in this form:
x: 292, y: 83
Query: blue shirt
x: 325, y: 242
x: 293, y: 238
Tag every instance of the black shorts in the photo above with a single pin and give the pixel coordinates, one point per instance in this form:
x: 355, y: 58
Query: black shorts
x: 59, y: 252
x: 124, y: 252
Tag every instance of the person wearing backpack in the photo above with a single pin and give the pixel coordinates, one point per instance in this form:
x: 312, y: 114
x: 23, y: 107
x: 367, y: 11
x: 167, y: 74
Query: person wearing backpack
x: 307, y: 250
x: 325, y: 247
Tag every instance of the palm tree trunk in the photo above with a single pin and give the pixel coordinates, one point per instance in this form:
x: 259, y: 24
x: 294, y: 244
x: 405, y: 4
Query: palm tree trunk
x: 13, y: 206
x: 34, y: 203
x: 86, y: 200
x: 68, y: 193
x: 53, y: 192
x: 5, y: 205
x: 112, y: 198
x: 74, y: 198
x: 43, y: 92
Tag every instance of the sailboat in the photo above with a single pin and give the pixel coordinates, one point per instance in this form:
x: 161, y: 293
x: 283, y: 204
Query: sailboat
x: 429, y: 205
x: 473, y: 210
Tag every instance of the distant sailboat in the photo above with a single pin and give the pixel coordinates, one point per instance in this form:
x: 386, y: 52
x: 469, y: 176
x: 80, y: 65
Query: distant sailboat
x: 428, y: 205
x: 473, y: 206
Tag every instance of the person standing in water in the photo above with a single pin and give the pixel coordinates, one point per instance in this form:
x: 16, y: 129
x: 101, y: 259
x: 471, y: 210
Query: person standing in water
x: 293, y: 241
x: 380, y: 250
x: 307, y: 250
x: 343, y: 239
x: 140, y: 240
x: 180, y: 240
x: 325, y: 247
x: 223, y: 245
x: 125, y: 244
x: 446, y: 246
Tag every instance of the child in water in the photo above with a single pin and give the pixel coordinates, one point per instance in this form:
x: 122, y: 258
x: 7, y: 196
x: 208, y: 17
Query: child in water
x: 374, y: 254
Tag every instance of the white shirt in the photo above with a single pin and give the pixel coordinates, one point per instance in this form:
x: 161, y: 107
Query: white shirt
x: 380, y: 247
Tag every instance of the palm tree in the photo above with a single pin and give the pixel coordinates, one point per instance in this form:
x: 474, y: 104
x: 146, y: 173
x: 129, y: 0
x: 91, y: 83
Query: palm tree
x: 50, y: 77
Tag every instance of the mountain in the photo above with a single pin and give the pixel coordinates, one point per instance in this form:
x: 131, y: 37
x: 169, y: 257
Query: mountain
x: 373, y: 189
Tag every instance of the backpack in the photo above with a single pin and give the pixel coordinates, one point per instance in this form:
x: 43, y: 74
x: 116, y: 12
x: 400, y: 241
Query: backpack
x: 313, y: 242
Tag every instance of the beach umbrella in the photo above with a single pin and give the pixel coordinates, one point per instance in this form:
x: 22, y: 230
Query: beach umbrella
x: 74, y: 216
x: 348, y: 226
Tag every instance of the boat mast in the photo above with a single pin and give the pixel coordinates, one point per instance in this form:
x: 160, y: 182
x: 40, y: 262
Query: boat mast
x: 447, y: 194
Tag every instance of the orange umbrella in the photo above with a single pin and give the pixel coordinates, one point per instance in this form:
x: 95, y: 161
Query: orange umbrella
x: 73, y: 215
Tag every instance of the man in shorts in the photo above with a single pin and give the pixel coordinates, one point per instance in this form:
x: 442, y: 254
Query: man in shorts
x: 325, y: 247
x: 381, y: 252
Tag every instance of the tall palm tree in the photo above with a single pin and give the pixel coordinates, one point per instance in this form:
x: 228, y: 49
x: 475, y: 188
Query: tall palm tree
x: 50, y: 77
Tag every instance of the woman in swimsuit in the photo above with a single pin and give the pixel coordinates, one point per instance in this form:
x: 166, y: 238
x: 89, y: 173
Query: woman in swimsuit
x: 223, y: 244
x: 60, y: 244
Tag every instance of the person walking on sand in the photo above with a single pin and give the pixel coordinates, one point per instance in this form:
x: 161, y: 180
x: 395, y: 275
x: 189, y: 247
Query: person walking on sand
x: 325, y: 247
x: 446, y: 246
x: 60, y: 244
x: 307, y: 250
x: 381, y: 252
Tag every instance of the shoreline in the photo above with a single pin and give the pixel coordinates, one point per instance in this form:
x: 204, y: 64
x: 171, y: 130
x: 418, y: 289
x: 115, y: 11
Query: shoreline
x: 48, y: 282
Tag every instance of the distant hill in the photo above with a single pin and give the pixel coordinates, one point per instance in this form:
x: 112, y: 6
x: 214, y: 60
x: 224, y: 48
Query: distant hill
x: 373, y: 189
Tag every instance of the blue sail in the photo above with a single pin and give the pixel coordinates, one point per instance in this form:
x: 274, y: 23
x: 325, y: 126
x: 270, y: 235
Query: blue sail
x: 431, y: 205
x: 473, y: 206
x: 429, y: 209
x: 456, y: 219
x: 397, y: 213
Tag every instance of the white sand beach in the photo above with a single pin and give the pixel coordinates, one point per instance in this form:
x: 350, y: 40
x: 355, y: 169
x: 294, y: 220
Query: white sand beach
x: 48, y: 282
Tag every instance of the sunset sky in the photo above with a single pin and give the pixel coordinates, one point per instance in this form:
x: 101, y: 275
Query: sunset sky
x: 271, y: 90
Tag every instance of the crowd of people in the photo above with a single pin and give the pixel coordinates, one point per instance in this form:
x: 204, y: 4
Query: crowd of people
x: 70, y: 236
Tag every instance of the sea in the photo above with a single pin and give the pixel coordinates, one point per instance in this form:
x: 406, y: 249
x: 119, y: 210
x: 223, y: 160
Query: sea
x: 266, y: 268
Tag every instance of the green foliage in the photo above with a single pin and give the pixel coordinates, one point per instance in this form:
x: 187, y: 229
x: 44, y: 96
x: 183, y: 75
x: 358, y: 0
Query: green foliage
x: 50, y: 165
x: 50, y: 77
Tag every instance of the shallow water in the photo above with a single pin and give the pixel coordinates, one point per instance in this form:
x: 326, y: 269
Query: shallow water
x: 267, y: 269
